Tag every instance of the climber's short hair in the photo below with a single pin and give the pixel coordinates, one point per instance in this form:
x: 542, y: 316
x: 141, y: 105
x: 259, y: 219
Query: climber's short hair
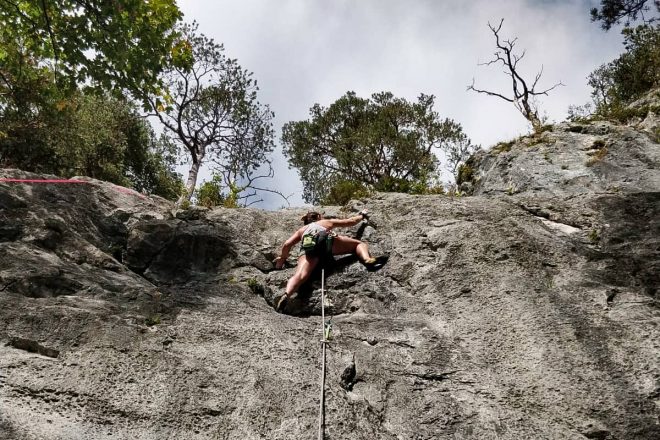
x: 311, y: 217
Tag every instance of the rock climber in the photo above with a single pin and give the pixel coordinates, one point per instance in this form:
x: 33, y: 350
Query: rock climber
x: 320, y: 241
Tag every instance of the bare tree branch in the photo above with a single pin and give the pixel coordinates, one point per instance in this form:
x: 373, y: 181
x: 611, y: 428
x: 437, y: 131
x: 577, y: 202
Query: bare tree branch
x: 522, y: 93
x: 471, y: 87
x: 53, y: 41
x: 213, y: 112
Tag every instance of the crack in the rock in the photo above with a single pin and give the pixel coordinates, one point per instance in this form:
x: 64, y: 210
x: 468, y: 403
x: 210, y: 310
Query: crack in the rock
x: 158, y: 252
x: 434, y: 376
x: 542, y: 213
x: 403, y: 344
x: 6, y: 286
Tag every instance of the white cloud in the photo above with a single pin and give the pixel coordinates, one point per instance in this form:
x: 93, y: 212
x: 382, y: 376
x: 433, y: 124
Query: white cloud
x: 308, y: 51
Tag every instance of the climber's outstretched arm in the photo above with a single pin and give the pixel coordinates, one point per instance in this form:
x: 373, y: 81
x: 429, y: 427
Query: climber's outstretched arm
x: 344, y: 222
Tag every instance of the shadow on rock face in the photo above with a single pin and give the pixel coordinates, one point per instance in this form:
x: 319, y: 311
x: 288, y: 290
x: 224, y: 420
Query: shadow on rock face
x: 7, y: 431
x: 171, y: 251
x: 630, y: 245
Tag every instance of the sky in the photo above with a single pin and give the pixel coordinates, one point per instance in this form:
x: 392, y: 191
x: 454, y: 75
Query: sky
x: 304, y: 52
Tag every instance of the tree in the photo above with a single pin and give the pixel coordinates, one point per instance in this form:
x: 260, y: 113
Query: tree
x: 458, y: 152
x: 149, y: 161
x: 27, y: 104
x: 48, y: 50
x: 611, y: 12
x: 601, y: 83
x: 523, y: 95
x: 213, y: 193
x: 382, y: 143
x: 632, y: 74
x: 119, y: 44
x: 87, y: 134
x: 211, y: 110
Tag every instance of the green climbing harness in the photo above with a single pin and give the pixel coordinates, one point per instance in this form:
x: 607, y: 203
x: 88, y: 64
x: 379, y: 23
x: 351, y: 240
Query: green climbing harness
x: 317, y: 241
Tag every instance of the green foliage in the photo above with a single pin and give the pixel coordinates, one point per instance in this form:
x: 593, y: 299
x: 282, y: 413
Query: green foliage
x: 209, y: 194
x: 85, y: 134
x: 211, y: 111
x: 382, y: 143
x: 212, y: 194
x: 233, y: 195
x: 427, y: 186
x: 435, y: 189
x: 465, y: 174
x: 458, y: 152
x: 611, y: 12
x: 344, y: 191
x: 635, y: 72
x: 28, y: 104
x: 580, y: 113
x: 255, y: 286
x: 119, y: 44
x: 625, y: 114
x: 150, y: 165
x: 594, y: 236
x: 49, y: 125
x: 453, y: 191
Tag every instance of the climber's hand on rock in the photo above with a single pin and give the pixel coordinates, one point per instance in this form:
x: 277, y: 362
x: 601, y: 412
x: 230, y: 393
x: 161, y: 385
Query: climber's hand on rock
x: 279, y: 262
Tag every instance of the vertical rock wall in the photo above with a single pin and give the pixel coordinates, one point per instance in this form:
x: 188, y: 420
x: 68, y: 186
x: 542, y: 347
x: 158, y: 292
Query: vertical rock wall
x: 513, y: 314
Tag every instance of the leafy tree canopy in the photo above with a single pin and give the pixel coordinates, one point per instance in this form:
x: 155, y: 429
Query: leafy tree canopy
x: 213, y: 193
x: 628, y: 77
x: 382, y: 143
x: 114, y: 44
x: 87, y: 134
x: 612, y: 12
x: 49, y: 50
x: 211, y: 110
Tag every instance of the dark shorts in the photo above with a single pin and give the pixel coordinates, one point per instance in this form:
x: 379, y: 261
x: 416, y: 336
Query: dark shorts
x: 324, y: 250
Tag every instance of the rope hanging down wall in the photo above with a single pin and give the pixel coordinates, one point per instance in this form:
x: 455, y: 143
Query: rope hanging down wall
x: 324, y: 342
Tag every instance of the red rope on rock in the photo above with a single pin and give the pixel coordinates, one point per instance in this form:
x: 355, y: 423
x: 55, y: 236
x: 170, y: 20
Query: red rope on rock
x: 116, y: 187
x: 42, y: 181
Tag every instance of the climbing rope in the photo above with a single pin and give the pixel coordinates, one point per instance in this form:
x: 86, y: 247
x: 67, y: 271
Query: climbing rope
x: 323, y: 344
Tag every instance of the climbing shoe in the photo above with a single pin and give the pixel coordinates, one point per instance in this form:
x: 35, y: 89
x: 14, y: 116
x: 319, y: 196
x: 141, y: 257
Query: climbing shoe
x: 281, y: 302
x: 375, y: 263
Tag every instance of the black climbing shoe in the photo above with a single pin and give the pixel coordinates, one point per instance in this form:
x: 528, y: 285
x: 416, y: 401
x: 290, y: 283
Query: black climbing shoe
x: 373, y: 264
x: 281, y: 302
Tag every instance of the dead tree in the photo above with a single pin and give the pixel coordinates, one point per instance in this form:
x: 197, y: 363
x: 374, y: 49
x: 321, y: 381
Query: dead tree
x: 523, y: 95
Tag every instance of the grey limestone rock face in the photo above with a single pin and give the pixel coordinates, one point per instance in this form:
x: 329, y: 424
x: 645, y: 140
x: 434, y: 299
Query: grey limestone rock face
x: 525, y: 315
x: 571, y: 159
